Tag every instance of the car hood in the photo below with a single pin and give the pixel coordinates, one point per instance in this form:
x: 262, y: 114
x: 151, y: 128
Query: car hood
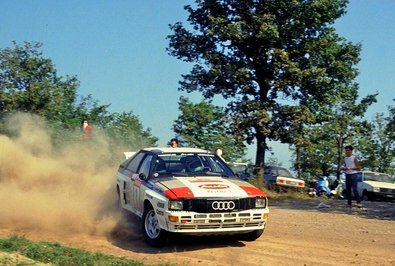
x: 207, y: 187
x: 380, y: 184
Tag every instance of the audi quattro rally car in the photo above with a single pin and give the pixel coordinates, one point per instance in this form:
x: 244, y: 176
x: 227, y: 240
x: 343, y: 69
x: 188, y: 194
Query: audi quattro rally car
x: 189, y: 191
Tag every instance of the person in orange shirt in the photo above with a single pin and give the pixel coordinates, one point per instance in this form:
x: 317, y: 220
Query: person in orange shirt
x: 87, y: 130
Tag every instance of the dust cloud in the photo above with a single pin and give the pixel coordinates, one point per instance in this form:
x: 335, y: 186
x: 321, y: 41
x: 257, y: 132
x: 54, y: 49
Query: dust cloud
x: 59, y: 190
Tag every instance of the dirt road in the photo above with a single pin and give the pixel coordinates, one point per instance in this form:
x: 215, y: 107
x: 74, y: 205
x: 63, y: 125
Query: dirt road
x: 298, y: 233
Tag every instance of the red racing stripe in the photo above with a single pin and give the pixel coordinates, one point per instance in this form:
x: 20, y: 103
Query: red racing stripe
x: 253, y: 191
x: 178, y: 193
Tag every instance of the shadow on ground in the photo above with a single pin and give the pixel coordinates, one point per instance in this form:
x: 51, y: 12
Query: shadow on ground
x: 127, y: 235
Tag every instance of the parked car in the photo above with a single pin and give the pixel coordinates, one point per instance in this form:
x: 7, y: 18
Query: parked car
x: 188, y: 191
x: 372, y: 185
x: 241, y: 170
x: 280, y: 178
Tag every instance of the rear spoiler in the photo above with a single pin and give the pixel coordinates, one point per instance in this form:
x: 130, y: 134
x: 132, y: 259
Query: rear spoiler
x: 128, y: 154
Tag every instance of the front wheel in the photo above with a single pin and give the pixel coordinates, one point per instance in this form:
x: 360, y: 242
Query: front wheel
x: 366, y: 196
x: 153, y: 234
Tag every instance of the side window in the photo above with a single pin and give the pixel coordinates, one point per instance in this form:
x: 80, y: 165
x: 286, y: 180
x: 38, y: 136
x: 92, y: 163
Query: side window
x: 146, y: 165
x: 134, y: 164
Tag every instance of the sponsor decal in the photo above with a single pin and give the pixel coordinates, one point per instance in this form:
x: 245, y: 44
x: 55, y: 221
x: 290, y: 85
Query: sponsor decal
x: 214, y: 186
x: 161, y: 213
x: 160, y: 205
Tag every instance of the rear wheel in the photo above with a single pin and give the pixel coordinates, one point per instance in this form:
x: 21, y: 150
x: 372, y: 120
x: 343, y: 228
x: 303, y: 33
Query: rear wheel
x: 153, y: 234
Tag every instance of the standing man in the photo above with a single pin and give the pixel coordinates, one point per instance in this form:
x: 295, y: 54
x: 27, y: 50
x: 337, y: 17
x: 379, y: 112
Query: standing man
x: 351, y: 167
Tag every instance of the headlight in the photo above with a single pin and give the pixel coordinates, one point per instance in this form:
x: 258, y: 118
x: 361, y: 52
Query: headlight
x: 176, y: 205
x: 376, y: 189
x: 260, y: 203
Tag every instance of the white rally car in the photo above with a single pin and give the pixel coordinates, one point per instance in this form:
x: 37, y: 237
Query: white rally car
x: 189, y: 191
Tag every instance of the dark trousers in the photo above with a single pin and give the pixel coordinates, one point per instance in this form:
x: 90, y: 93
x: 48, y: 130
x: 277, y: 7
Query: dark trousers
x: 352, y: 184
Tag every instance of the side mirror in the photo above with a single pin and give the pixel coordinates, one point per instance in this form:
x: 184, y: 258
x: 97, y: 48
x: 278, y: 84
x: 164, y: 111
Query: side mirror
x: 142, y: 176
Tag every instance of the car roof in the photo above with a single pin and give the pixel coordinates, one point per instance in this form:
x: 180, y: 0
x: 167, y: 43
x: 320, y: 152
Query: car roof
x: 374, y: 173
x: 174, y: 150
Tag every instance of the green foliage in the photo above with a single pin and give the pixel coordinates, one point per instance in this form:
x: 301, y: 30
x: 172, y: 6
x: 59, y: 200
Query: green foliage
x: 56, y: 254
x: 126, y: 133
x: 29, y: 83
x: 204, y: 125
x: 263, y: 57
x: 376, y: 148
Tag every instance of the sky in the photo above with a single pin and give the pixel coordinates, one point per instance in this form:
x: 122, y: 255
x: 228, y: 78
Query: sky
x: 117, y: 50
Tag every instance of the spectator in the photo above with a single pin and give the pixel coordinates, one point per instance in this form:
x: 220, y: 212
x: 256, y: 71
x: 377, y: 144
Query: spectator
x: 174, y: 143
x: 87, y: 130
x: 351, y: 167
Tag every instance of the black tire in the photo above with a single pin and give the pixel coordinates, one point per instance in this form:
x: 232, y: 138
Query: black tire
x: 366, y: 196
x: 253, y: 235
x: 153, y: 234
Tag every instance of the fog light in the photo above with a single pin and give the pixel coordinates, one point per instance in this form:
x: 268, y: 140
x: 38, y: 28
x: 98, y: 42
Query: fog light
x: 173, y: 219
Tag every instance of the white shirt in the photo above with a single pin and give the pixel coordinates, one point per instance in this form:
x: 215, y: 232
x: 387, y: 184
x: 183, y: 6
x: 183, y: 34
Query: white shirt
x: 350, y: 162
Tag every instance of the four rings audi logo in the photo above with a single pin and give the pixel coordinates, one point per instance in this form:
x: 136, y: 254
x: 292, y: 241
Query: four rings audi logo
x: 223, y: 205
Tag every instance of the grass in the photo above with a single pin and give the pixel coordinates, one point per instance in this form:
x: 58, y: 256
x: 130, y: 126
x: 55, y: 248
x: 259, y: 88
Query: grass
x: 17, y: 250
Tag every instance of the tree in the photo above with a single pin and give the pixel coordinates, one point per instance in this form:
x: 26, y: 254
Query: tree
x: 29, y: 82
x: 204, y: 125
x: 256, y: 54
x: 126, y: 133
x: 376, y: 146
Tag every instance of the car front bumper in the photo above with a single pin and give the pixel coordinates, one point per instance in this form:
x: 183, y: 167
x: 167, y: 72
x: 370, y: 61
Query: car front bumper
x: 216, y: 223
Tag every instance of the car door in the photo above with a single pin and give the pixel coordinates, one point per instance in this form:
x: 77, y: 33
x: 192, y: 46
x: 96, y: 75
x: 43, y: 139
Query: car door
x: 138, y: 188
x: 126, y: 177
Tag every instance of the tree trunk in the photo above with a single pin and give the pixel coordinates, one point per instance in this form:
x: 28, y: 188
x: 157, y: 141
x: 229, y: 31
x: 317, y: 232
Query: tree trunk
x: 260, y: 156
x: 298, y: 162
x: 340, y: 142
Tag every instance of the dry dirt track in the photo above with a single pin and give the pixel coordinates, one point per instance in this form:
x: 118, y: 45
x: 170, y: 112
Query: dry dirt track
x: 298, y: 233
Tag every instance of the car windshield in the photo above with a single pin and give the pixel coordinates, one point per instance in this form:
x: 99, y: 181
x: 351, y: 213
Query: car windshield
x: 284, y: 173
x: 377, y: 177
x: 191, y: 164
x: 239, y: 168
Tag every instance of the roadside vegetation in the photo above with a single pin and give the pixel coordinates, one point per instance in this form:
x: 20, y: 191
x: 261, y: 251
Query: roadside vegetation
x: 17, y: 250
